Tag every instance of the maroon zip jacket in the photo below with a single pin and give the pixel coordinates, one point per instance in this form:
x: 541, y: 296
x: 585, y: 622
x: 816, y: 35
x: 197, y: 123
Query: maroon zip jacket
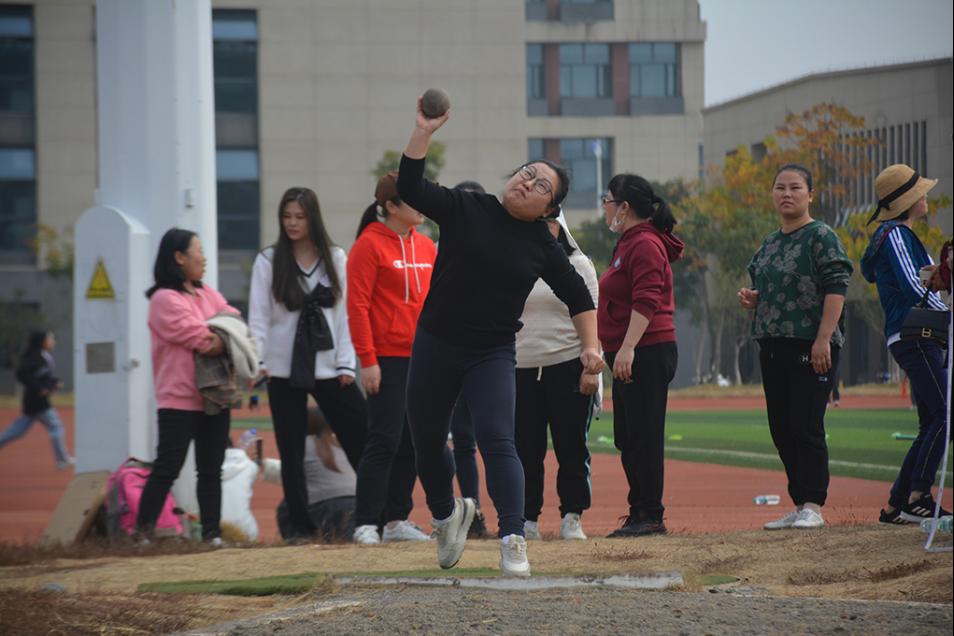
x: 639, y: 278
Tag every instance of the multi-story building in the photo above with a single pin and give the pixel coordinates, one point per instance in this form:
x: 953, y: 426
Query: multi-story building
x: 313, y: 92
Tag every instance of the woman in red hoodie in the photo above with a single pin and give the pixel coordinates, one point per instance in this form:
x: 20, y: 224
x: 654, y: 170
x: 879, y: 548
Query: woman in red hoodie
x: 389, y: 273
x: 636, y: 329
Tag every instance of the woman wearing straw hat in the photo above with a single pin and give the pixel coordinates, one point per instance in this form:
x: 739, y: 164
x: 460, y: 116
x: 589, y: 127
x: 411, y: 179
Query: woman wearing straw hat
x: 892, y: 261
x: 799, y: 280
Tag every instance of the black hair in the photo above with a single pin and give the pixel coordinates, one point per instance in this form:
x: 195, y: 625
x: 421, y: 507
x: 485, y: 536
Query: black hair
x: 646, y: 204
x: 800, y: 169
x: 285, y: 270
x: 369, y: 216
x: 562, y: 188
x: 471, y: 186
x: 34, y: 348
x: 167, y: 273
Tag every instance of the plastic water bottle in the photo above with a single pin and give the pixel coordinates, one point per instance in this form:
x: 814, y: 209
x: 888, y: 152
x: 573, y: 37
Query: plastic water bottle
x: 766, y: 500
x: 248, y: 438
x: 943, y: 524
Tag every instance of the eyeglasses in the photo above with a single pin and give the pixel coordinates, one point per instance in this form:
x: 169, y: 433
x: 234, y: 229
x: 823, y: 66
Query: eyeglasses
x: 607, y: 199
x: 540, y: 186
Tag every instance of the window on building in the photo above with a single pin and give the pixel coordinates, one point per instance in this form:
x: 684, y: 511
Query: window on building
x: 17, y: 142
x: 579, y: 156
x: 235, y: 67
x: 238, y: 198
x: 235, y: 60
x: 654, y: 69
x: 585, y: 70
x: 535, y: 86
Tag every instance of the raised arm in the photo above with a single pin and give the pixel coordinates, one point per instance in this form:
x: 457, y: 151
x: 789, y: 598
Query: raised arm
x: 428, y: 198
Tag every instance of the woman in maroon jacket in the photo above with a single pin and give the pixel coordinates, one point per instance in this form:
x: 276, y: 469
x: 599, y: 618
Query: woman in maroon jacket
x: 636, y: 331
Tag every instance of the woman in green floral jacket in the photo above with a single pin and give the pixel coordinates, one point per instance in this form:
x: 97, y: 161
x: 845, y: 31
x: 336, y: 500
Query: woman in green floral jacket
x: 799, y: 279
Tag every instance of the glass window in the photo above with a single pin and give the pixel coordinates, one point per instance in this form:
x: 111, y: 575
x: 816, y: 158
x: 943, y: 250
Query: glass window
x: 585, y: 70
x: 237, y: 173
x: 16, y: 59
x: 654, y: 69
x: 17, y: 199
x: 535, y: 87
x: 235, y: 61
x: 578, y: 155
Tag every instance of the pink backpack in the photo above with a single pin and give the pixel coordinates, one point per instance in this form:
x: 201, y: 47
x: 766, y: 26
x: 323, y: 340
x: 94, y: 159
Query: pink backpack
x: 123, y: 492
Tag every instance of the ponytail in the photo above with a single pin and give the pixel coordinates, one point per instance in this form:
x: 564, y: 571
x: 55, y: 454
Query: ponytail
x: 645, y: 204
x: 662, y: 218
x: 371, y: 214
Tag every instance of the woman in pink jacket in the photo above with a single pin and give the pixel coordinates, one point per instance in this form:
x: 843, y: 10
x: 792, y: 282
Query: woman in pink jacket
x: 179, y: 305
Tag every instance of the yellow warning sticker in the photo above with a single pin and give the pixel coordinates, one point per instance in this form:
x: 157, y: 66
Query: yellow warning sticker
x: 99, y: 286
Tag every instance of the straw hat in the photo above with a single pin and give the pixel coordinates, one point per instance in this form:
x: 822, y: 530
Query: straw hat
x: 898, y: 188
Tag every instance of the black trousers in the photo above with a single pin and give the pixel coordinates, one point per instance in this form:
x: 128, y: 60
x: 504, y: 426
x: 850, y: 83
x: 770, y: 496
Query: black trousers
x: 347, y: 414
x: 639, y: 426
x: 176, y: 430
x: 387, y: 473
x: 550, y: 397
x: 796, y: 398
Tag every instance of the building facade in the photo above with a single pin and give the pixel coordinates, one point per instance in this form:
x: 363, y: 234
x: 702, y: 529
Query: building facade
x: 314, y: 92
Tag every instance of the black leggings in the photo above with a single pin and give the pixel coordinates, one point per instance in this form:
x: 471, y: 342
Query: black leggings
x: 439, y: 372
x: 176, y: 430
x: 347, y: 414
x: 386, y: 473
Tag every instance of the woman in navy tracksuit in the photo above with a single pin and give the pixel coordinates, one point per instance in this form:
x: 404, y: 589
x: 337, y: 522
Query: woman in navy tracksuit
x: 892, y: 261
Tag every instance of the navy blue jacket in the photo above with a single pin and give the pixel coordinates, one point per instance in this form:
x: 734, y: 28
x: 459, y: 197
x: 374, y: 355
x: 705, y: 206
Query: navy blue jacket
x: 892, y: 261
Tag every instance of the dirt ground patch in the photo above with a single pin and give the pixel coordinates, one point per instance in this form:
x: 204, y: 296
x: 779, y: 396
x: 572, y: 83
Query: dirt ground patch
x: 876, y: 563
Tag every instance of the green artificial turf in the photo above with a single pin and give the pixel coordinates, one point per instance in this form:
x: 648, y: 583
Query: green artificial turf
x: 860, y: 441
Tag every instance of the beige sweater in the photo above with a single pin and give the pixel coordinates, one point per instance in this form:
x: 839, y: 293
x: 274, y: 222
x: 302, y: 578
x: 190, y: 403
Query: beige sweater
x: 548, y: 336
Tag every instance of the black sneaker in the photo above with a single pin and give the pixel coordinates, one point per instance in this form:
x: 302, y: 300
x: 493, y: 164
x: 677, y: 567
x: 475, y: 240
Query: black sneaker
x: 892, y: 518
x: 641, y: 528
x: 478, y: 527
x: 919, y: 510
x: 623, y: 523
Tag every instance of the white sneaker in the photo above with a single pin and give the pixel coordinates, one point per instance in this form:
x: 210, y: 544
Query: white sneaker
x: 366, y: 535
x: 451, y: 533
x: 572, y: 527
x: 403, y: 531
x: 66, y: 463
x: 808, y: 519
x: 785, y: 522
x: 531, y: 530
x: 513, y: 556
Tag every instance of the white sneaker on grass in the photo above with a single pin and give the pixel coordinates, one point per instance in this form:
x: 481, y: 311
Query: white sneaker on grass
x: 572, y: 527
x: 785, y: 522
x: 451, y: 533
x: 366, y: 535
x: 809, y: 519
x: 403, y: 531
x: 531, y: 530
x: 513, y: 556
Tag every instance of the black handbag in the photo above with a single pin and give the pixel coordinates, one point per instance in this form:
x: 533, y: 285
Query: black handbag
x: 922, y: 322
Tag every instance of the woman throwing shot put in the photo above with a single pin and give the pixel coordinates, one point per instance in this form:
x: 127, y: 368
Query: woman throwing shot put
x: 492, y: 251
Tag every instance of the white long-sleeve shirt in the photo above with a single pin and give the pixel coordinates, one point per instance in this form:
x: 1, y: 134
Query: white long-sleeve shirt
x: 273, y: 326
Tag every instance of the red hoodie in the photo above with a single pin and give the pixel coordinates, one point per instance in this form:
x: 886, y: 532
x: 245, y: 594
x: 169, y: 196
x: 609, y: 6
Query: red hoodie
x: 639, y: 278
x: 388, y: 279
